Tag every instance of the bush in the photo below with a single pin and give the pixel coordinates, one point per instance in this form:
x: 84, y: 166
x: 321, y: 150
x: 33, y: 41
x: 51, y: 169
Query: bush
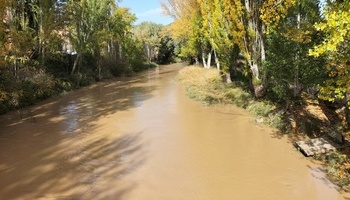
x: 337, y: 167
x: 261, y: 108
x: 144, y: 66
x: 238, y: 97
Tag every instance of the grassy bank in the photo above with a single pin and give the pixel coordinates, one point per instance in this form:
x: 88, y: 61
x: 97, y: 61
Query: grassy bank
x: 206, y: 86
x: 307, y: 118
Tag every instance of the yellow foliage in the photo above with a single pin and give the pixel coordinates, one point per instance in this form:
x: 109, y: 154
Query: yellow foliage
x: 335, y: 46
x: 273, y: 11
x: 337, y: 28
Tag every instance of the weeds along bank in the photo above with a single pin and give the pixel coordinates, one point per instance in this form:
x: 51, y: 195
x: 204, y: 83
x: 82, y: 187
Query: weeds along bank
x: 206, y: 86
x: 32, y: 85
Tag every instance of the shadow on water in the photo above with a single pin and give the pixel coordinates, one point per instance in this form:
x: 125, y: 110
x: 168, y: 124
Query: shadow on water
x: 63, y: 154
x: 87, y: 172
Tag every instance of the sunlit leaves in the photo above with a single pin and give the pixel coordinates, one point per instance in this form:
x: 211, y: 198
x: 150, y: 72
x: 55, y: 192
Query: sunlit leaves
x: 336, y: 47
x: 187, y: 25
x: 273, y: 11
x: 337, y: 28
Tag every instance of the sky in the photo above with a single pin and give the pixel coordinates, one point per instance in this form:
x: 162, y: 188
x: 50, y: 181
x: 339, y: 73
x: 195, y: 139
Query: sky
x: 146, y: 10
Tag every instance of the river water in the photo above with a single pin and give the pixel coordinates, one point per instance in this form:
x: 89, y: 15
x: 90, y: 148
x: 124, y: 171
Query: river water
x: 141, y: 138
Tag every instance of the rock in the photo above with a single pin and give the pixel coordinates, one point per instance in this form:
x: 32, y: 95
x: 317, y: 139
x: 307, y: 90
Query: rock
x: 259, y: 120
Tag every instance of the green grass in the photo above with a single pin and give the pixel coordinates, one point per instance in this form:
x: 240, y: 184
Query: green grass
x: 337, y: 167
x: 206, y: 86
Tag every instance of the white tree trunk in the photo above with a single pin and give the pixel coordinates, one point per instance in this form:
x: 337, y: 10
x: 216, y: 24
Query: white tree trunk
x: 254, y: 44
x: 196, y: 61
x: 228, y: 77
x: 209, y: 60
x: 217, y: 61
x: 203, y: 59
x: 255, y: 70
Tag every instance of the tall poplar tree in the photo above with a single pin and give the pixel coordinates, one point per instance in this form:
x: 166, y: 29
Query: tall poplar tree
x: 336, y: 48
x: 288, y: 67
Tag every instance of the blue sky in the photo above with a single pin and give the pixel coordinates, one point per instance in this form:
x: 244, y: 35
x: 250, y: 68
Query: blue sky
x: 146, y: 10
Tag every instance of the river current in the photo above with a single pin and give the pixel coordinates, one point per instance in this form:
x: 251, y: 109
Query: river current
x: 141, y: 138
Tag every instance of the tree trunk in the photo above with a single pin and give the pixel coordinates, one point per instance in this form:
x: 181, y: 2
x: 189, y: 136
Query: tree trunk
x: 75, y: 63
x: 254, y: 45
x: 347, y: 111
x: 228, y: 77
x: 255, y: 70
x: 148, y: 53
x: 217, y: 60
x: 196, y: 60
x: 297, y: 86
x: 41, y: 39
x: 209, y: 60
x: 203, y: 60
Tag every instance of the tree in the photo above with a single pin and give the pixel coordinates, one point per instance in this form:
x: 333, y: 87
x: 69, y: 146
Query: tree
x: 87, y: 34
x: 288, y: 68
x: 149, y: 34
x: 254, y: 43
x: 167, y: 48
x: 34, y: 35
x: 335, y: 46
x: 46, y: 23
x: 187, y: 14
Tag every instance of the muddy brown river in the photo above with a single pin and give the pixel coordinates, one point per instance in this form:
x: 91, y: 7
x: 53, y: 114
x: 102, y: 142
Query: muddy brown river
x: 141, y: 138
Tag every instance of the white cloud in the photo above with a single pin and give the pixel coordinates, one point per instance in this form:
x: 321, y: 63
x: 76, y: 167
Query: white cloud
x: 155, y: 15
x: 150, y: 13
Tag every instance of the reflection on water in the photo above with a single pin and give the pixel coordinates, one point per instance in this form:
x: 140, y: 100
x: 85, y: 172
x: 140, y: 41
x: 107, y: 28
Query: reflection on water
x: 141, y: 138
x: 138, y: 97
x: 72, y: 116
x: 75, y: 115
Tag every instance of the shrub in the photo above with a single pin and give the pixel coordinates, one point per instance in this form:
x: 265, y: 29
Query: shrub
x: 261, y: 108
x: 337, y: 167
x: 238, y: 97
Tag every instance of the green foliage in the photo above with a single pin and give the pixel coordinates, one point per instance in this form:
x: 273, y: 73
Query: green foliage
x: 149, y: 34
x: 263, y: 109
x: 283, y: 65
x: 335, y: 47
x: 36, y: 34
x: 166, y: 52
x: 289, y: 69
x: 187, y: 27
x: 237, y: 96
x: 133, y: 54
x: 337, y: 167
x: 34, y: 86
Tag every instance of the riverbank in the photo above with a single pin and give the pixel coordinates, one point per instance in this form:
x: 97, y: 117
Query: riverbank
x: 18, y: 93
x: 308, y: 118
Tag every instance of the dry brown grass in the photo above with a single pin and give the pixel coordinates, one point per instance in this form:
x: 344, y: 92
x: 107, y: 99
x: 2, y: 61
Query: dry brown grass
x: 206, y: 85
